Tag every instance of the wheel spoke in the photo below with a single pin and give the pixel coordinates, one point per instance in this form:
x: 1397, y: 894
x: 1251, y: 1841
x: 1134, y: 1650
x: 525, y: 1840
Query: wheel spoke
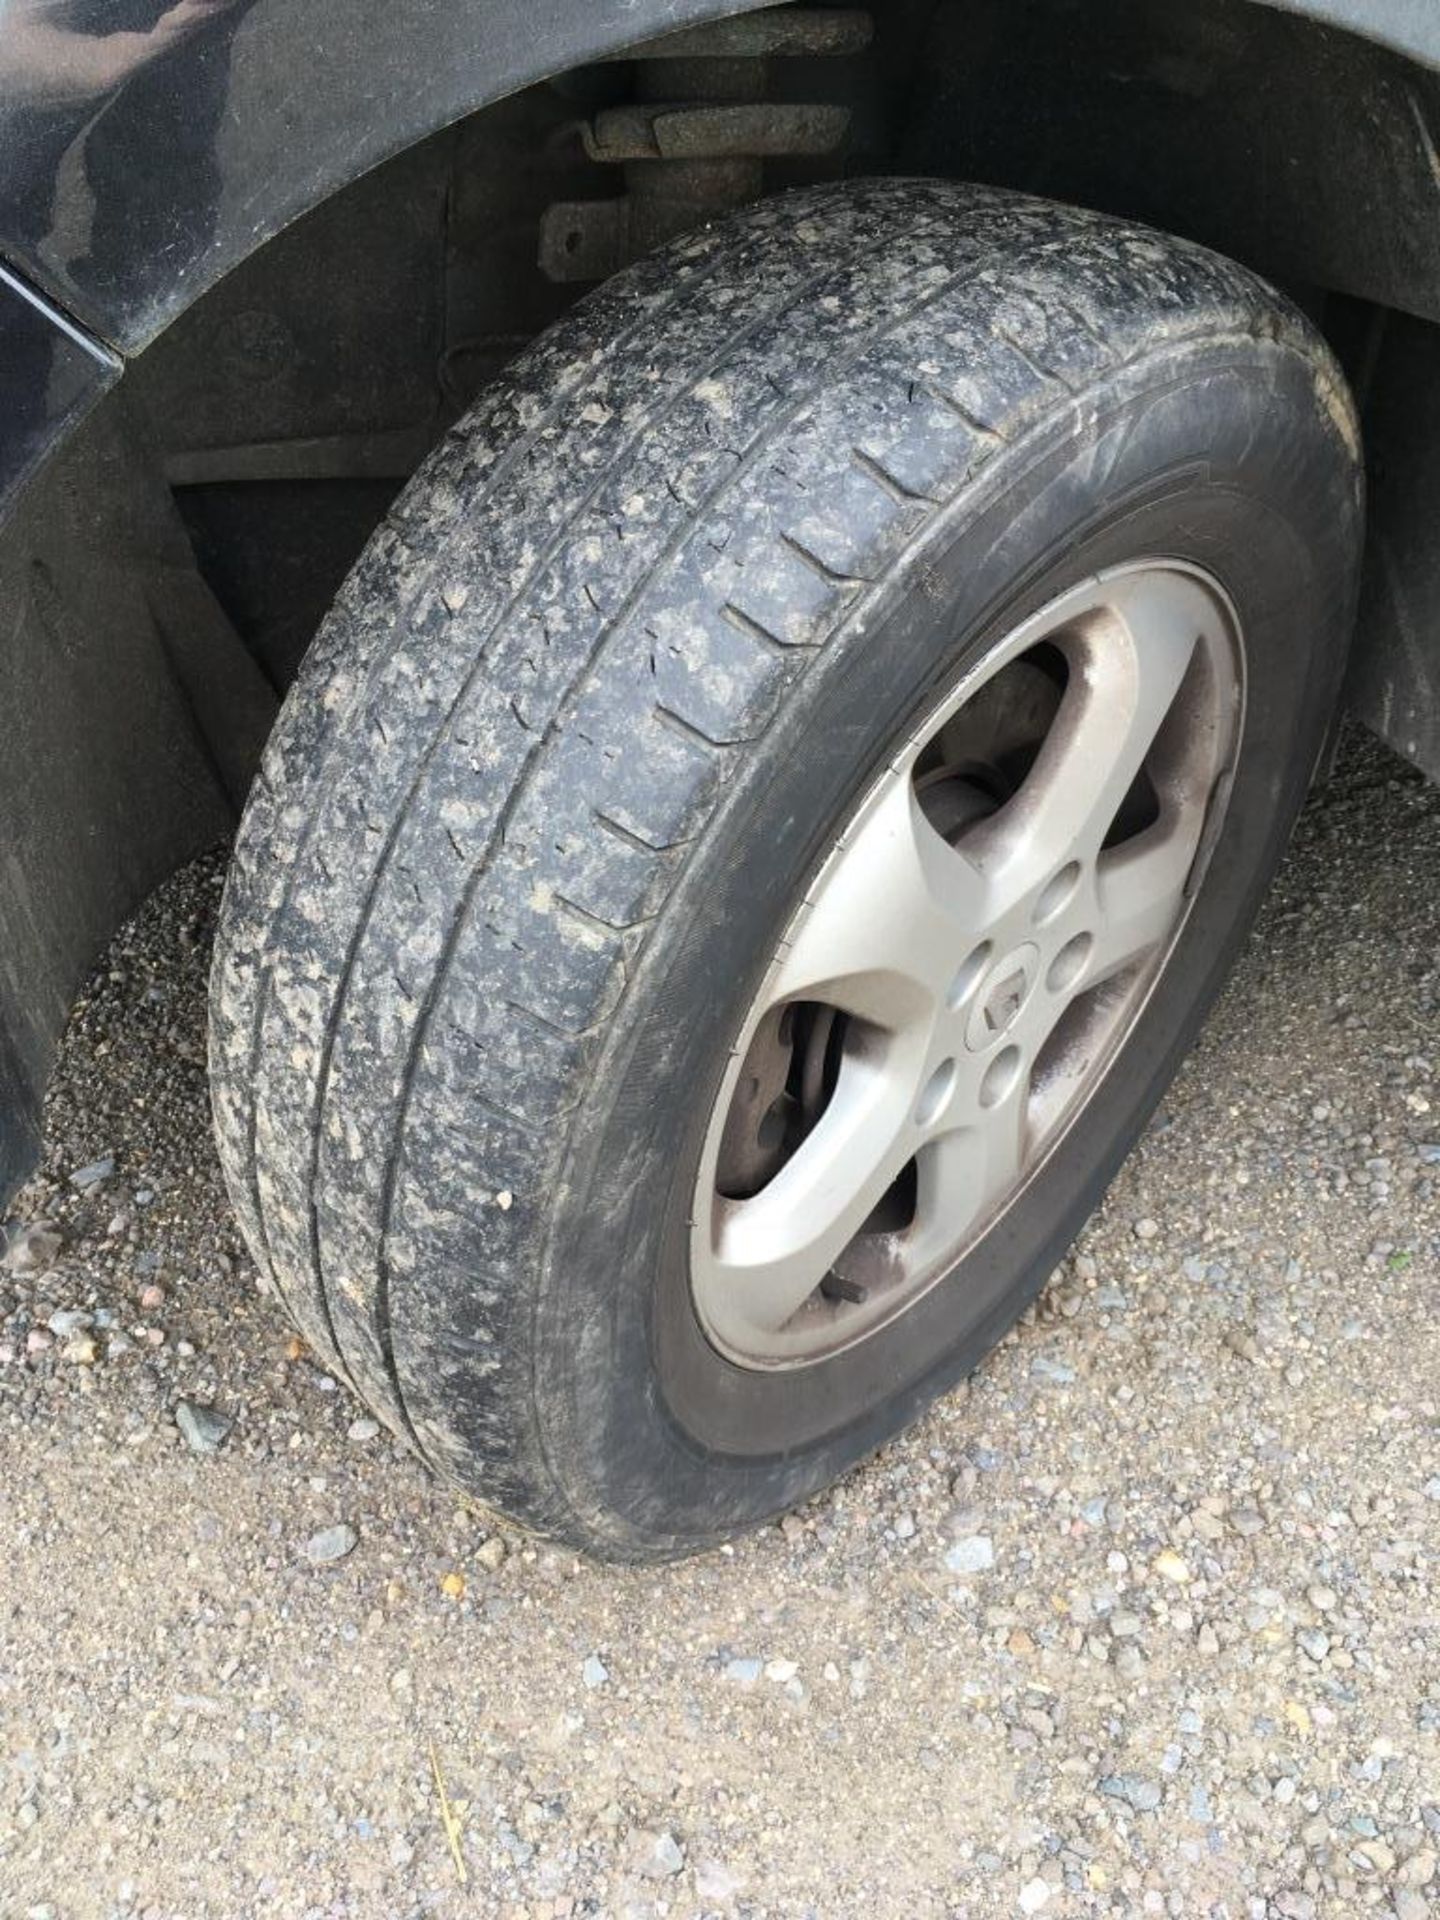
x: 772, y: 1251
x: 963, y: 1175
x: 1139, y: 893
x: 890, y: 919
x: 1127, y: 663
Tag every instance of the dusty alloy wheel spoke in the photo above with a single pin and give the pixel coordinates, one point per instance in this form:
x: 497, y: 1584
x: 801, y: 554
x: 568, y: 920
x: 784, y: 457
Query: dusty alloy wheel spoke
x: 1139, y: 894
x: 1127, y: 662
x: 774, y: 1250
x: 881, y: 931
x: 988, y: 977
x: 963, y: 1174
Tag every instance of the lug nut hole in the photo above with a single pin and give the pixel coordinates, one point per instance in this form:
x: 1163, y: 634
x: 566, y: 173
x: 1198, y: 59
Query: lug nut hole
x: 969, y: 977
x: 936, y: 1094
x: 1000, y: 1077
x: 1057, y: 893
x: 1069, y: 963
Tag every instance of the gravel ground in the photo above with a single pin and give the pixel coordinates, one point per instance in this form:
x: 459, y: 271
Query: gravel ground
x: 1143, y: 1621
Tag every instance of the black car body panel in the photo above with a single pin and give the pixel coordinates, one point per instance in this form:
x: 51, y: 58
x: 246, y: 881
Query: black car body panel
x: 53, y: 373
x: 195, y: 146
x: 151, y: 152
x: 225, y: 132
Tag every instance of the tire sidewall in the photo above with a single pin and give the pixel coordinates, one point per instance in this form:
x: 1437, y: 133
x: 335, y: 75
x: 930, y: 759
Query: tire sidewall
x: 1215, y: 452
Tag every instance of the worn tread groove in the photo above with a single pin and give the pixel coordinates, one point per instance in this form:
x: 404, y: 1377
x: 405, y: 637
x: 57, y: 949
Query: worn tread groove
x: 507, y: 1114
x: 1049, y: 375
x: 1083, y: 321
x: 902, y: 495
x: 551, y: 1026
x: 845, y: 582
x: 967, y: 419
x: 677, y: 724
x: 737, y: 617
x: 598, y: 920
x: 636, y: 840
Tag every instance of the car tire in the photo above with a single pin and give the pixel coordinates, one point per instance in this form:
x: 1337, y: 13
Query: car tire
x: 582, y: 737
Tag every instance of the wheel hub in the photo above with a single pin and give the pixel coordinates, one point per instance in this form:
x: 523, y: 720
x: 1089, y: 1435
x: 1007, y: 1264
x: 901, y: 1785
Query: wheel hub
x: 1002, y: 997
x: 966, y: 964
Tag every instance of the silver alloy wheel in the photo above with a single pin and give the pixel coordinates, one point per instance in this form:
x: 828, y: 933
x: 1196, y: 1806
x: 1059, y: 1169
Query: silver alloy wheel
x: 966, y: 963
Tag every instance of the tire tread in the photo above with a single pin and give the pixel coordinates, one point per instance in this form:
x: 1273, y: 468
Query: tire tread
x: 520, y: 715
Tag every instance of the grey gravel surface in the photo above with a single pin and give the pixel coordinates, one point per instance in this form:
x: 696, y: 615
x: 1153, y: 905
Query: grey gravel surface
x: 1143, y: 1621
